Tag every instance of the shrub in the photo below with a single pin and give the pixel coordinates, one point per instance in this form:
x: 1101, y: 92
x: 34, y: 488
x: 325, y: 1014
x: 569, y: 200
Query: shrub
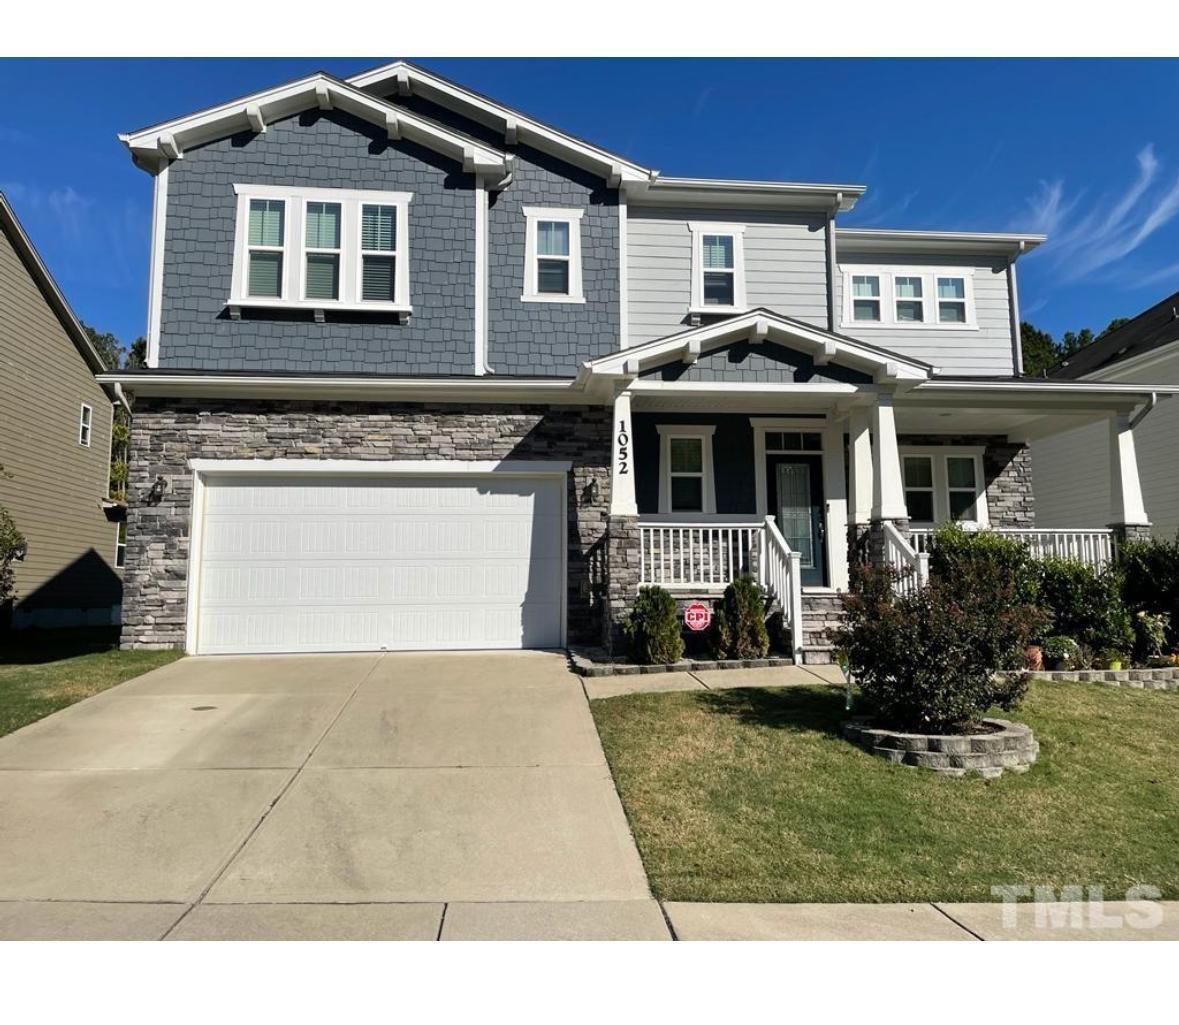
x: 11, y: 542
x: 1150, y: 571
x: 1061, y: 649
x: 652, y: 630
x: 1150, y: 633
x: 739, y: 626
x: 954, y: 552
x: 1086, y: 604
x: 927, y: 661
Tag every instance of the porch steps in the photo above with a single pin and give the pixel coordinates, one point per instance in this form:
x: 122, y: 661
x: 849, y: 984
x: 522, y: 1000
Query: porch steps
x: 820, y: 612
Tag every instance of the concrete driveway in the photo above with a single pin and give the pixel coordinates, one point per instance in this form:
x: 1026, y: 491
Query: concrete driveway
x: 363, y: 796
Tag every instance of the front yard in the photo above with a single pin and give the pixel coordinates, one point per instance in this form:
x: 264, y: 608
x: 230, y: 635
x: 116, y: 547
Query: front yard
x: 751, y: 795
x: 41, y: 673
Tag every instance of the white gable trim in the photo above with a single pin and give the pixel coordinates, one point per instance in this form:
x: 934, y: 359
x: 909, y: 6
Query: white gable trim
x: 170, y: 139
x: 516, y: 127
x: 758, y: 326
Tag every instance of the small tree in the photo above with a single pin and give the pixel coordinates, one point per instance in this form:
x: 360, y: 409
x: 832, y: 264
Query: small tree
x: 11, y: 543
x: 739, y: 626
x: 652, y: 630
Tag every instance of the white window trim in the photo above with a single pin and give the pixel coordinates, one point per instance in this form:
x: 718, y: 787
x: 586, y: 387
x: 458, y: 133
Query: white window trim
x: 888, y: 298
x: 120, y: 545
x: 572, y: 216
x: 85, y: 425
x: 941, y: 481
x: 699, y: 229
x: 699, y: 432
x: 295, y: 251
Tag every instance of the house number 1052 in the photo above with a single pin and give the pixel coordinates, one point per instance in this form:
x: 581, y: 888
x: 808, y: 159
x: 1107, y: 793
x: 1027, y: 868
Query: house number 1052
x: 623, y: 448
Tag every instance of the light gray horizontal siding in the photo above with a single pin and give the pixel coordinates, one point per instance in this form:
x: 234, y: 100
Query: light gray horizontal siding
x: 1072, y: 475
x: 986, y: 350
x: 785, y: 266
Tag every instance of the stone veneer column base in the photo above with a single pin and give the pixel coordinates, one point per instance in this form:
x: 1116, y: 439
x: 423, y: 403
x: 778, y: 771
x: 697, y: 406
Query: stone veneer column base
x: 875, y: 541
x: 1124, y: 532
x: 623, y: 572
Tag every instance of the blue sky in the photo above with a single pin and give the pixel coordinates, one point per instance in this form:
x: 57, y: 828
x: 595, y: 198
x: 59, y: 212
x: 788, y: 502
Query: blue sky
x: 1084, y: 151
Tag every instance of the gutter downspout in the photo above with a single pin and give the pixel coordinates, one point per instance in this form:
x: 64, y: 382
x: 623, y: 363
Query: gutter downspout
x: 1146, y: 410
x: 1013, y: 295
x: 832, y: 261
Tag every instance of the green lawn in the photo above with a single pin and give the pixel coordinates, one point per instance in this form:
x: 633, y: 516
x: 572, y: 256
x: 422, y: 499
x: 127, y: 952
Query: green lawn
x: 751, y: 795
x: 45, y: 671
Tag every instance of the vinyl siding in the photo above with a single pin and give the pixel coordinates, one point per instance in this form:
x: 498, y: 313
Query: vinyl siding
x: 985, y: 351
x: 55, y: 485
x: 785, y: 266
x: 1072, y: 472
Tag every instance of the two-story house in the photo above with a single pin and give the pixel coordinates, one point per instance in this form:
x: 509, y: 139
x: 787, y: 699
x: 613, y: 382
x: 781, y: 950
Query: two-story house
x: 426, y: 373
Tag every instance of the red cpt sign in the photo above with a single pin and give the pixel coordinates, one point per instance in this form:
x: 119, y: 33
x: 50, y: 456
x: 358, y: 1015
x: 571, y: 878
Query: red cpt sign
x: 697, y: 616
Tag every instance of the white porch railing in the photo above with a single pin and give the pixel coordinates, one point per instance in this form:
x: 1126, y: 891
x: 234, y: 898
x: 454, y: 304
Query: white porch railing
x: 1094, y: 547
x: 707, y: 556
x: 910, y: 564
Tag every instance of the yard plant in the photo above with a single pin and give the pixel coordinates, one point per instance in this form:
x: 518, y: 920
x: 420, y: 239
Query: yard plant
x: 739, y: 626
x: 652, y: 630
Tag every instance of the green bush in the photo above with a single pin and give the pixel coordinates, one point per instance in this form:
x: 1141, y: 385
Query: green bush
x: 11, y: 542
x: 1150, y: 571
x: 1086, y: 604
x: 1061, y: 650
x: 652, y: 630
x: 927, y: 661
x: 739, y: 625
x: 954, y: 552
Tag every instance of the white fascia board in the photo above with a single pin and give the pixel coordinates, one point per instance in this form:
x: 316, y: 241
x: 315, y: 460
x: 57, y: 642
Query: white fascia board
x: 381, y: 468
x: 762, y: 324
x: 504, y: 119
x: 855, y: 240
x: 1039, y: 386
x: 560, y: 391
x: 171, y: 138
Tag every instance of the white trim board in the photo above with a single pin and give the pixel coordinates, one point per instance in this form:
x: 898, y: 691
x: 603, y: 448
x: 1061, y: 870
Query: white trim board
x: 695, y: 432
x: 530, y: 291
x: 155, y: 283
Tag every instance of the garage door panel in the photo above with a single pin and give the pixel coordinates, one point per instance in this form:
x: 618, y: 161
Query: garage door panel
x: 367, y: 564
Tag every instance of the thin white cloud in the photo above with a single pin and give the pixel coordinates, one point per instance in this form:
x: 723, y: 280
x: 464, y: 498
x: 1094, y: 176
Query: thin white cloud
x: 1086, y: 238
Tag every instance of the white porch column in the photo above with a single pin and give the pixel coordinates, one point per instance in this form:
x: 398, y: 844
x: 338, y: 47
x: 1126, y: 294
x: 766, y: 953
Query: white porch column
x: 622, y: 464
x: 836, y: 511
x: 889, y: 498
x: 1126, y: 507
x: 860, y: 476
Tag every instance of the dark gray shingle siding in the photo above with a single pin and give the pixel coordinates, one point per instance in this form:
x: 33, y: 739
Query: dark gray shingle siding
x: 763, y: 363
x: 322, y: 150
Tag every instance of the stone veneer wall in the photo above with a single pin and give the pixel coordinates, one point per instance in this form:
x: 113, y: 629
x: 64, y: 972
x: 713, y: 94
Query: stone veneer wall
x: 622, y: 577
x: 1007, y: 469
x: 167, y: 433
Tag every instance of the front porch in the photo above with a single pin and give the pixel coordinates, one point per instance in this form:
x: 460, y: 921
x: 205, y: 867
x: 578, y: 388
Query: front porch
x: 834, y: 453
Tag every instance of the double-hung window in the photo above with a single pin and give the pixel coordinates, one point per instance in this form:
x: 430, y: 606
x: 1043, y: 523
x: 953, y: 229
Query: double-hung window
x: 686, y: 482
x: 909, y: 297
x: 944, y: 483
x: 321, y: 249
x: 85, y: 425
x: 718, y: 268
x: 552, y: 255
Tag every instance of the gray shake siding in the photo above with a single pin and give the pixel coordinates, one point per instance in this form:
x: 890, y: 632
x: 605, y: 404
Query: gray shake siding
x: 752, y: 363
x: 785, y: 265
x: 986, y: 350
x: 324, y: 150
x: 169, y: 432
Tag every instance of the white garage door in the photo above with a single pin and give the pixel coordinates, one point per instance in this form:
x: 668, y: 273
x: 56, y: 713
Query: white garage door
x: 366, y: 563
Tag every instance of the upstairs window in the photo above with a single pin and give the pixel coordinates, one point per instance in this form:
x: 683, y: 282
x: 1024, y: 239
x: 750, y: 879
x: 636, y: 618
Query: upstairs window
x: 85, y: 424
x: 718, y: 268
x: 321, y: 249
x: 552, y: 255
x: 912, y: 298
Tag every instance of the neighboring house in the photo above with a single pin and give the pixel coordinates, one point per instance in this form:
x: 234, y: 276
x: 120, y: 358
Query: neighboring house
x: 424, y: 372
x: 55, y: 447
x: 1071, y: 482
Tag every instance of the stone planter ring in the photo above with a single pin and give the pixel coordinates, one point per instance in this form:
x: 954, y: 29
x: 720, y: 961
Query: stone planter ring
x: 1009, y: 745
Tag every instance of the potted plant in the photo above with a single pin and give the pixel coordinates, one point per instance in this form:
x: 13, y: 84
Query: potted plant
x: 1112, y: 659
x: 1061, y: 652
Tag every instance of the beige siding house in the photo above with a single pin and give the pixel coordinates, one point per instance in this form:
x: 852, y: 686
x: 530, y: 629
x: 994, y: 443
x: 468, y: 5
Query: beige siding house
x: 55, y: 442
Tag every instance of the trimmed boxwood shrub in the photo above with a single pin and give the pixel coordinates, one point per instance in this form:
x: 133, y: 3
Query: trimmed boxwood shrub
x: 1086, y: 604
x: 955, y: 551
x: 927, y: 661
x: 652, y: 630
x: 739, y: 623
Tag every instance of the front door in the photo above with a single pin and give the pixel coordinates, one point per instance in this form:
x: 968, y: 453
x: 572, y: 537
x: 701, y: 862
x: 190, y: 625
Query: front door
x: 795, y: 485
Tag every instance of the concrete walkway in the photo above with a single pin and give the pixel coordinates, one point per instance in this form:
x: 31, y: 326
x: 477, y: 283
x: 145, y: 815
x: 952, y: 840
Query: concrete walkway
x: 716, y: 679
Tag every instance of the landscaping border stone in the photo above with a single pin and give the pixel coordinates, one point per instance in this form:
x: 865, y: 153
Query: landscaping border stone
x: 1162, y: 678
x: 597, y: 662
x: 1011, y: 747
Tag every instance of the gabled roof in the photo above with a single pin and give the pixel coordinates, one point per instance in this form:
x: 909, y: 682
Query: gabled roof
x: 1150, y: 330
x: 44, y: 281
x: 404, y: 77
x: 760, y: 325
x: 169, y: 139
x: 866, y: 240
